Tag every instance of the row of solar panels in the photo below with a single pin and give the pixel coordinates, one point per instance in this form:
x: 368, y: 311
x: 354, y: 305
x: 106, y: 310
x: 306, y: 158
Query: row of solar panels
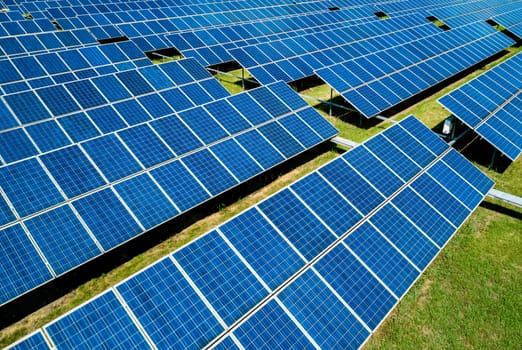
x: 145, y: 29
x: 491, y: 104
x: 373, y: 84
x: 319, y: 264
x: 46, y: 69
x: 291, y: 44
x: 295, y: 58
x: 64, y: 207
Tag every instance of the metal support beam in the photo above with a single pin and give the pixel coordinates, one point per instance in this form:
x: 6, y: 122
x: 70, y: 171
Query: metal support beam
x: 492, y: 158
x: 344, y: 142
x: 505, y: 197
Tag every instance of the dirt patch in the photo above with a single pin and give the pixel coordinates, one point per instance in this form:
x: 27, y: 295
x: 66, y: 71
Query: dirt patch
x: 424, y: 293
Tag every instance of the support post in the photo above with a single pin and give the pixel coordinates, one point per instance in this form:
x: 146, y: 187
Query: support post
x: 331, y: 103
x: 243, y: 79
x: 492, y: 158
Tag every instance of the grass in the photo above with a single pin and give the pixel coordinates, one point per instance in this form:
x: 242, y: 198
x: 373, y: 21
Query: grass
x: 469, y: 298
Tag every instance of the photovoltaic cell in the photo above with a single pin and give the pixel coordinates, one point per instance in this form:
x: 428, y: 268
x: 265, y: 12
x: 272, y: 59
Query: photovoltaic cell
x: 401, y: 232
x: 301, y: 228
x: 384, y: 260
x: 16, y: 145
x: 338, y: 214
x: 209, y: 171
x: 322, y: 314
x: 180, y: 185
x: 36, y: 341
x: 370, y: 300
x: 62, y: 239
x: 262, y: 151
x: 21, y: 265
x: 271, y: 328
x: 352, y: 186
x: 171, y: 312
x: 114, y: 328
x: 72, y: 170
x: 111, y: 157
x: 107, y: 218
x: 262, y: 247
x: 146, y: 200
x: 28, y: 187
x: 236, y: 159
x: 48, y: 135
x: 221, y: 276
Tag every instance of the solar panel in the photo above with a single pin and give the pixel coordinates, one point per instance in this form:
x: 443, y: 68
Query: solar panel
x: 371, y: 90
x: 287, y: 271
x: 490, y: 105
x: 112, y: 179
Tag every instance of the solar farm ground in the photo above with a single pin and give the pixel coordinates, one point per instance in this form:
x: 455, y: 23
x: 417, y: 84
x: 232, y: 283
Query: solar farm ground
x: 471, y: 296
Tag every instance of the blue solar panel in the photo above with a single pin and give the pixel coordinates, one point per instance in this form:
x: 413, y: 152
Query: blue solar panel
x: 79, y: 127
x: 28, y: 187
x: 318, y: 123
x: 409, y: 145
x: 155, y: 105
x: 16, y: 145
x: 262, y: 247
x: 179, y: 138
x: 146, y: 200
x: 271, y: 328
x: 180, y: 185
x: 441, y: 199
x: 338, y: 214
x: 22, y: 267
x: 58, y: 100
x: 352, y: 186
x: 328, y: 321
x: 469, y: 172
x: 370, y: 300
x: 406, y: 237
x: 281, y: 139
x: 156, y: 77
x: 48, y: 135
x: 250, y: 109
x: 209, y: 171
x: 106, y: 119
x: 86, y: 93
x: 131, y: 111
x: 300, y: 130
x: 171, y: 312
x: 269, y: 101
x: 393, y: 157
x: 114, y: 327
x: 61, y: 237
x: 145, y: 145
x: 238, y: 161
x: 111, y: 88
x: 382, y: 258
x: 301, y: 228
x: 111, y: 157
x: 27, y: 107
x: 136, y: 84
x: 227, y: 116
x: 72, y: 170
x: 221, y: 276
x: 107, y: 218
x: 203, y: 125
x: 455, y: 184
x: 36, y: 341
x: 258, y: 146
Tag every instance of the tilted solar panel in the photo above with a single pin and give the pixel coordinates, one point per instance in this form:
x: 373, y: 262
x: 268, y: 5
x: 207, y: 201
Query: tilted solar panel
x: 490, y: 104
x: 115, y: 176
x: 289, y: 271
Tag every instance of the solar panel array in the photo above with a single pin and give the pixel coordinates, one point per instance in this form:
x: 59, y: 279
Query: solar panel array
x: 297, y: 57
x: 112, y: 170
x: 511, y: 20
x: 320, y: 263
x: 378, y: 81
x: 491, y: 104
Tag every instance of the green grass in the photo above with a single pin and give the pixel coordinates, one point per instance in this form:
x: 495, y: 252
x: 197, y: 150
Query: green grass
x: 469, y: 298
